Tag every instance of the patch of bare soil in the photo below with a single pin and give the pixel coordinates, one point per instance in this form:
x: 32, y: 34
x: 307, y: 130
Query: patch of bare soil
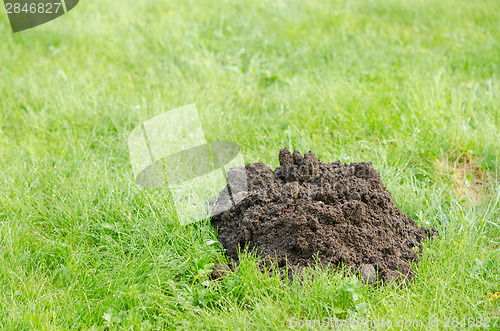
x: 306, y: 210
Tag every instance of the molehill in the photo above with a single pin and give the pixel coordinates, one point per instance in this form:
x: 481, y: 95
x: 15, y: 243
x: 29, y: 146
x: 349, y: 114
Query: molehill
x: 307, y: 211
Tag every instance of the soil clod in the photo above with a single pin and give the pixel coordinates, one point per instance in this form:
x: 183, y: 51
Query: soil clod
x: 220, y: 270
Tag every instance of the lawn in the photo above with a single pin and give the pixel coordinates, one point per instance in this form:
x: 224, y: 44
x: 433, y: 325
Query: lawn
x: 413, y: 86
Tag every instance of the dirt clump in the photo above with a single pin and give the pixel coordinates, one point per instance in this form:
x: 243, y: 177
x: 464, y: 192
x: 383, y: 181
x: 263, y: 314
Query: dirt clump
x: 306, y: 211
x: 219, y: 271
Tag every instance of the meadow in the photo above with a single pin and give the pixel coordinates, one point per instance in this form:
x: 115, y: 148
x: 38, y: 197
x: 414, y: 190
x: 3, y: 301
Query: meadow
x: 413, y: 86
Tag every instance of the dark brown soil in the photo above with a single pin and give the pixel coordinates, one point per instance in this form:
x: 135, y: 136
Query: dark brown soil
x: 307, y: 211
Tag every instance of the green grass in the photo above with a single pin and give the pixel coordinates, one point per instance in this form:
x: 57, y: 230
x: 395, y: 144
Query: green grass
x: 413, y: 86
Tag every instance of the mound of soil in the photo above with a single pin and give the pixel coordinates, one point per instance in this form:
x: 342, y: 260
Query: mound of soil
x: 306, y: 210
